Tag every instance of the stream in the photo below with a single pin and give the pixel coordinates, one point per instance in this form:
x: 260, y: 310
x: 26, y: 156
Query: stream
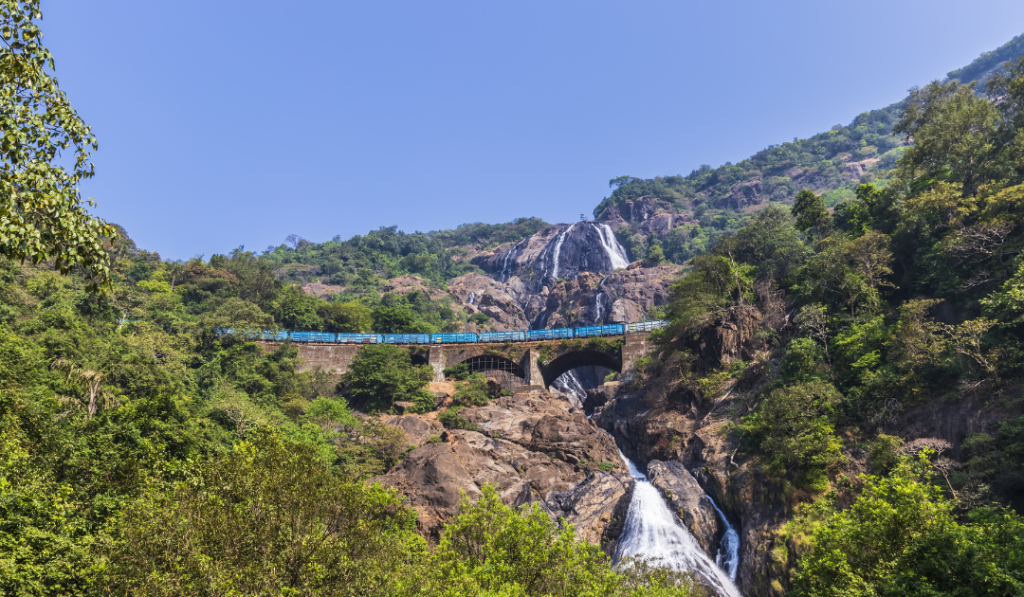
x: 653, y: 531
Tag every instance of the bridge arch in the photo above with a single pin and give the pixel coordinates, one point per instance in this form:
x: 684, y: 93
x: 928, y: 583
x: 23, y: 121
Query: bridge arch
x: 578, y: 358
x: 492, y: 362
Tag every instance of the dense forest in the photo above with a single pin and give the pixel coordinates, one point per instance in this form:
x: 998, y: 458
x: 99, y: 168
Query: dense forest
x: 901, y: 304
x: 141, y: 453
x: 388, y: 253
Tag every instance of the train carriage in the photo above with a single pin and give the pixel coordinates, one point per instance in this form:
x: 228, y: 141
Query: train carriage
x: 323, y: 337
x: 600, y: 330
x: 466, y: 338
x: 359, y: 339
x: 407, y: 338
x: 549, y: 334
x: 645, y: 326
x: 503, y: 336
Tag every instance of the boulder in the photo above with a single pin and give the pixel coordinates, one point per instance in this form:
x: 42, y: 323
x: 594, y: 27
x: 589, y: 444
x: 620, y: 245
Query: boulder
x: 531, y: 447
x: 418, y: 429
x: 688, y: 500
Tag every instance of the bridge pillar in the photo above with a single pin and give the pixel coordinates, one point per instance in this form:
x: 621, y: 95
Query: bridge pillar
x: 437, y: 362
x: 636, y: 346
x: 531, y: 368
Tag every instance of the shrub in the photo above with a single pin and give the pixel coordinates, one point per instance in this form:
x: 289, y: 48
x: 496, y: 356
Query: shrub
x: 458, y: 371
x: 900, y: 537
x: 473, y: 392
x: 451, y: 419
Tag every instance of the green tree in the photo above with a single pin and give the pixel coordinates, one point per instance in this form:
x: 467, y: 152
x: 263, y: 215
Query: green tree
x: 655, y: 255
x: 953, y: 133
x: 398, y: 320
x: 349, y: 317
x: 795, y: 428
x: 42, y: 215
x: 297, y: 310
x: 267, y: 519
x: 768, y: 243
x: 714, y: 288
x: 810, y: 212
x: 382, y: 374
x: 900, y: 538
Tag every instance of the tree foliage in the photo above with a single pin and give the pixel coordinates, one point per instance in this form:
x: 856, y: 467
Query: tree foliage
x: 266, y: 519
x: 42, y: 215
x: 382, y: 374
x: 901, y: 537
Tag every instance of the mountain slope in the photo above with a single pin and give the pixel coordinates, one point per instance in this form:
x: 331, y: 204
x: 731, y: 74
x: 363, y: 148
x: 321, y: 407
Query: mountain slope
x: 832, y: 163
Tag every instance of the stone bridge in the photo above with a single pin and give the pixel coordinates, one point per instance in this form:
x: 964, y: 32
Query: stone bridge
x: 536, y: 364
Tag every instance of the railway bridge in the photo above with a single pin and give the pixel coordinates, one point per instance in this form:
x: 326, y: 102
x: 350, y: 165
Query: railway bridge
x: 534, y: 365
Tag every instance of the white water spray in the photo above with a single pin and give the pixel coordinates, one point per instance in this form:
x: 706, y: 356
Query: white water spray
x: 505, y: 272
x: 653, y: 531
x: 558, y: 250
x: 598, y: 319
x: 728, y: 556
x: 568, y: 383
x: 616, y: 254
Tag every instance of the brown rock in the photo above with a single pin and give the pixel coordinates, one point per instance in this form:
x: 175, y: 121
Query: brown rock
x: 418, y: 428
x: 531, y: 448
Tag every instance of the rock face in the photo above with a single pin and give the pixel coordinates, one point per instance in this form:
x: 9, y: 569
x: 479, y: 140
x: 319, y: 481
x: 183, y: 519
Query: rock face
x: 646, y: 214
x: 418, y: 429
x: 586, y: 299
x: 534, y: 450
x: 556, y: 252
x: 688, y: 500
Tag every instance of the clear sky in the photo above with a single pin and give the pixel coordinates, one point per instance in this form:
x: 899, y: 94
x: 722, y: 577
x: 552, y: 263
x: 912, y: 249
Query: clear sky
x: 228, y: 122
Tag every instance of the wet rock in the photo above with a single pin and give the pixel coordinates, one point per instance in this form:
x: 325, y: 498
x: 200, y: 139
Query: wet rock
x: 688, y: 500
x: 596, y: 507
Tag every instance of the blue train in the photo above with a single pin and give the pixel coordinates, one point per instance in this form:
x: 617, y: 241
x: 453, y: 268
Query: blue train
x: 615, y: 329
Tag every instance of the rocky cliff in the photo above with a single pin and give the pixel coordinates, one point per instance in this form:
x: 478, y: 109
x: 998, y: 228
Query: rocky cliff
x: 534, y: 448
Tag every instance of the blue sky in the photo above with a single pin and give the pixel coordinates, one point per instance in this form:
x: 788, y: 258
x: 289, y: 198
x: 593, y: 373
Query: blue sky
x: 227, y: 122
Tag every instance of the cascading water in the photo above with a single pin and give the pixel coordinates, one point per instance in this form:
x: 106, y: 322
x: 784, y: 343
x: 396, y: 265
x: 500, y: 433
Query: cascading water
x: 471, y: 298
x: 728, y: 556
x: 506, y: 273
x: 653, y: 531
x: 569, y: 383
x: 616, y: 254
x: 557, y: 253
x: 599, y: 317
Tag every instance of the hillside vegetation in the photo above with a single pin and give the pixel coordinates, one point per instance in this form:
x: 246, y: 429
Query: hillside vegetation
x: 901, y: 306
x: 142, y: 453
x: 833, y: 164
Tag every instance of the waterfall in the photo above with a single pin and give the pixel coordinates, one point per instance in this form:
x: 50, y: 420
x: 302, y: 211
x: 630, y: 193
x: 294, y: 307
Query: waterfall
x: 558, y: 251
x: 505, y: 272
x: 599, y: 307
x: 728, y: 556
x: 616, y: 254
x: 570, y: 384
x: 471, y: 298
x: 653, y: 531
